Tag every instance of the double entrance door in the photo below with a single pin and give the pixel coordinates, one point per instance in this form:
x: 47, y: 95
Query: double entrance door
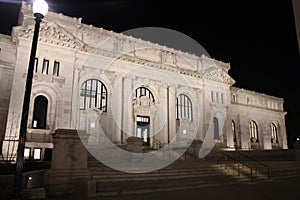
x: 143, y: 129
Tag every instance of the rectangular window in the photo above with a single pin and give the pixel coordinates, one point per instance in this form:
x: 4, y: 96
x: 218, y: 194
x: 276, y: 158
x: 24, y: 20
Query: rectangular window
x: 34, y: 124
x: 27, y: 153
x: 36, y: 60
x: 37, y: 153
x: 222, y: 98
x: 56, y: 68
x: 45, y: 66
x: 234, y: 98
x: 212, y: 96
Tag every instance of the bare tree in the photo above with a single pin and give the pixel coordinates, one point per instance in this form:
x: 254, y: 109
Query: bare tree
x: 11, y: 138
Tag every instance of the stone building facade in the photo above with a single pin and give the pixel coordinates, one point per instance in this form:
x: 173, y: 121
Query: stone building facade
x: 88, y: 78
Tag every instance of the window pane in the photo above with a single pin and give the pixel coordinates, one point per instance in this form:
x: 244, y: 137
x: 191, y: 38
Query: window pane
x: 37, y: 153
x: 183, y: 107
x: 45, y: 66
x: 93, y: 95
x: 142, y: 91
x: 35, y: 65
x: 56, y: 68
x: 253, y: 132
x: 26, y: 153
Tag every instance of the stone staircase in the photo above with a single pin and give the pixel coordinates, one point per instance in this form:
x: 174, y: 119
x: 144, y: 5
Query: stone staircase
x: 180, y: 175
x: 258, y: 170
x: 284, y: 170
x: 215, y: 170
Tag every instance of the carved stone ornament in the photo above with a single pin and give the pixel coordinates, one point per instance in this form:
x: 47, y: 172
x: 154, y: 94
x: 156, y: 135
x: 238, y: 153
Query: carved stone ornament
x: 50, y: 33
x: 143, y: 103
x: 219, y: 75
x: 50, y: 79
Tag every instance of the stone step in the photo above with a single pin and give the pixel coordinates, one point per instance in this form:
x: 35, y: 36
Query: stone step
x: 165, y: 171
x: 178, y: 176
x: 149, y: 177
x: 148, y: 186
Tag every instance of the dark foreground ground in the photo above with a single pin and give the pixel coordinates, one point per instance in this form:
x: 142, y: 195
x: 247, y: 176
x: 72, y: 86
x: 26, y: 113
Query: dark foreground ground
x: 284, y: 190
x: 253, y: 191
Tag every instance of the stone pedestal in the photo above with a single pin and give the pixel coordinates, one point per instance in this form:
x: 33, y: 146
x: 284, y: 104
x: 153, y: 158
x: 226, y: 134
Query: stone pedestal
x: 134, y: 144
x: 195, y: 148
x: 69, y: 174
x: 297, y: 150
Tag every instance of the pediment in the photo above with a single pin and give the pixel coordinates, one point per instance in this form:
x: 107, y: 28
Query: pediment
x: 219, y: 75
x: 50, y: 33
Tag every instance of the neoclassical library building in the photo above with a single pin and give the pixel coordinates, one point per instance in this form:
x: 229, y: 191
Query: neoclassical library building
x: 88, y: 78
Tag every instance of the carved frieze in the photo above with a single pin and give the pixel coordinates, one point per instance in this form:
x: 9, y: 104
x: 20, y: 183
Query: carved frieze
x: 219, y: 75
x: 50, y: 33
x: 49, y: 78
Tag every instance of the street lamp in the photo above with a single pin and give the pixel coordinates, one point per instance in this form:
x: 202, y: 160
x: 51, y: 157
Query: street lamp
x: 40, y: 9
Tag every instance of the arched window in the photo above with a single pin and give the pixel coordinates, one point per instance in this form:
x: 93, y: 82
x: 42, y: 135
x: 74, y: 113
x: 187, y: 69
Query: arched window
x: 253, y: 131
x: 216, y: 128
x: 184, y: 107
x: 93, y: 94
x: 39, y: 119
x: 274, y: 138
x: 142, y: 91
x: 233, y: 130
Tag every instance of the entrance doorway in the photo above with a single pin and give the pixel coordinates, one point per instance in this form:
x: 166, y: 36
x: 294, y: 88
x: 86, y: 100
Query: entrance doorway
x: 143, y: 129
x: 40, y: 112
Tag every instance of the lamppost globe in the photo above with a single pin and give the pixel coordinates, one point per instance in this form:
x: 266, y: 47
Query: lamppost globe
x: 40, y: 7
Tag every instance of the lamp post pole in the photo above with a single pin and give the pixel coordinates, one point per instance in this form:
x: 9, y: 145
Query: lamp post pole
x: 17, y: 185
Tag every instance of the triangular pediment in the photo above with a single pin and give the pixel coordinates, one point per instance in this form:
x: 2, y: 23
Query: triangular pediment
x: 50, y: 33
x: 219, y: 75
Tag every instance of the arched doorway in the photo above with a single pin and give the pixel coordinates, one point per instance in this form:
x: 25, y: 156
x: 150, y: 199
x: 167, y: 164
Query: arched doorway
x: 254, y: 140
x: 143, y: 100
x: 39, y: 119
x: 216, y: 128
x: 234, y: 134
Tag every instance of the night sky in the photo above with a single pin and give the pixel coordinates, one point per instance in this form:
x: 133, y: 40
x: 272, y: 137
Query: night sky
x: 257, y: 37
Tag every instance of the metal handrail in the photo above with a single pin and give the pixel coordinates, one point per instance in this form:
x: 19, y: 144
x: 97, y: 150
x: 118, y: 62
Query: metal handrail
x: 256, y: 161
x: 252, y: 159
x: 246, y: 164
x: 238, y: 161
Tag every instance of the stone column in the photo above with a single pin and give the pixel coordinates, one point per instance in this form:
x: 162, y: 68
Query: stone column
x: 161, y: 124
x: 282, y: 134
x: 244, y: 132
x: 172, y: 114
x: 69, y: 174
x: 228, y: 131
x: 128, y: 125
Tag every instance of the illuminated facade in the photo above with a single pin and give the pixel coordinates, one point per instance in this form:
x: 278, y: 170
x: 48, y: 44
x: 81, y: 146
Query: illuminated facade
x: 87, y: 77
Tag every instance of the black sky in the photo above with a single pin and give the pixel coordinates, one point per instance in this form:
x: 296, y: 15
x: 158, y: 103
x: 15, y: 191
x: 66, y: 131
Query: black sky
x: 257, y: 37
